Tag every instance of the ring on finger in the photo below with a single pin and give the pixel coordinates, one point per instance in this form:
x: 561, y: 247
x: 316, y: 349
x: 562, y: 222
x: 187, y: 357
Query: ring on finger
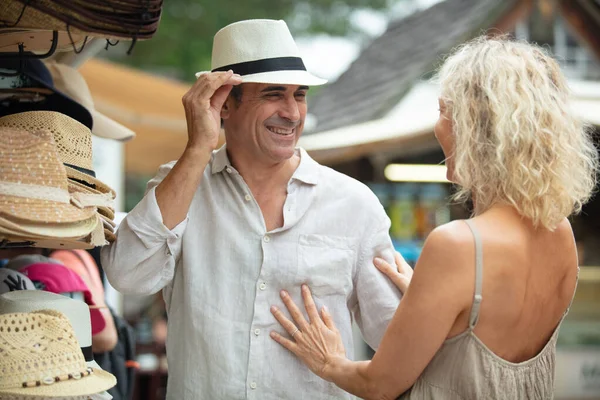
x: 295, y: 332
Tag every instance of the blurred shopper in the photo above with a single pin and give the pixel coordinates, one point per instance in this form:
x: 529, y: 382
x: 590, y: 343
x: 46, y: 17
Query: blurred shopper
x: 221, y: 231
x: 481, y: 315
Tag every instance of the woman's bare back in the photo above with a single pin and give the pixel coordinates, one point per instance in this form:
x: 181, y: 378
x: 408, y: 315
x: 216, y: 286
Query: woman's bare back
x: 529, y: 277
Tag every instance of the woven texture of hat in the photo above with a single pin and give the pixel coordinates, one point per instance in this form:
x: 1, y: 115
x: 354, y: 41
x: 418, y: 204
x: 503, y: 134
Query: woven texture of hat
x: 29, y: 161
x: 73, y: 139
x: 34, y: 346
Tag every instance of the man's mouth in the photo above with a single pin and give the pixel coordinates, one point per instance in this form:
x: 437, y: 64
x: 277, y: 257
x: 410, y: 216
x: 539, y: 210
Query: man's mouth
x: 282, y: 131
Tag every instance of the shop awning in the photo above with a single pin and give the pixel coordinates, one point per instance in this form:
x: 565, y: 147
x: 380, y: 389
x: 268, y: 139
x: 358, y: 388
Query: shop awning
x: 409, y: 126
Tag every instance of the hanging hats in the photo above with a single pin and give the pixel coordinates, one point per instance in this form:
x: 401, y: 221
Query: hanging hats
x: 70, y: 82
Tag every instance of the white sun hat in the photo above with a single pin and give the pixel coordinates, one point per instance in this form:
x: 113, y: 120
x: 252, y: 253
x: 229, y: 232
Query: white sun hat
x: 76, y: 311
x: 40, y: 358
x: 262, y: 51
x: 70, y: 82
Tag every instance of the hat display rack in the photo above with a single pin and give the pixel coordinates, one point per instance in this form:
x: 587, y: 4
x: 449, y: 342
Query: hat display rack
x: 50, y: 196
x: 47, y: 111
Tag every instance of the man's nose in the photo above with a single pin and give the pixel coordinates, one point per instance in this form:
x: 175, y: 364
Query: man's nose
x: 290, y: 110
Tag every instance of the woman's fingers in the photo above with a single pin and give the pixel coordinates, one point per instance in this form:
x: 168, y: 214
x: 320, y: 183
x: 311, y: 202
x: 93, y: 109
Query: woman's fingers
x: 392, y: 272
x: 327, y: 319
x: 294, y: 310
x: 287, y: 343
x: 402, y: 265
x: 288, y: 325
x: 309, y: 304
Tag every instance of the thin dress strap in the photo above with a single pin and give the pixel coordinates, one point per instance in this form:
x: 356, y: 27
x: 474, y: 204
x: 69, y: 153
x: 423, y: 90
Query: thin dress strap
x: 478, y: 275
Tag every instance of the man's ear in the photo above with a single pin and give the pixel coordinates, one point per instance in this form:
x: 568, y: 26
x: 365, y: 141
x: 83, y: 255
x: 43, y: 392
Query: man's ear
x: 225, y: 109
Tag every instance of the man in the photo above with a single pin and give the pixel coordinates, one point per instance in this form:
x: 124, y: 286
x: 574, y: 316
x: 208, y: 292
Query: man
x: 222, y: 232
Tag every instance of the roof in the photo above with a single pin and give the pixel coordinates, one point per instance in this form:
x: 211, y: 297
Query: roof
x: 410, y: 47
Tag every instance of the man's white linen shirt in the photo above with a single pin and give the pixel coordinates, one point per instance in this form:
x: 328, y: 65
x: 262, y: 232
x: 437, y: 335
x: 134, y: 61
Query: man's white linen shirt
x: 220, y: 272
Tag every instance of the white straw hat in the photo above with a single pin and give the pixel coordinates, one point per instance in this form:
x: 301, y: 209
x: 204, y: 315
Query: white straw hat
x: 77, y: 312
x: 41, y: 357
x: 70, y: 82
x: 260, y: 50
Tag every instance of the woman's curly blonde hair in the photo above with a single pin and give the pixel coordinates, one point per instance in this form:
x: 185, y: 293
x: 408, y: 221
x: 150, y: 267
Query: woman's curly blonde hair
x: 516, y: 139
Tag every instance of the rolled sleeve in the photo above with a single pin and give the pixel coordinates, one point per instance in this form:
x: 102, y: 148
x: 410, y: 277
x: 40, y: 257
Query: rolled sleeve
x: 376, y: 297
x: 143, y: 258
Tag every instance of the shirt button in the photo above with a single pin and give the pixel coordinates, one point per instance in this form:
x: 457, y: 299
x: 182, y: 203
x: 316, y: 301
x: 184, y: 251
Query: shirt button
x: 228, y: 170
x: 248, y: 197
x: 253, y: 385
x: 267, y: 239
x: 257, y: 332
x: 262, y: 286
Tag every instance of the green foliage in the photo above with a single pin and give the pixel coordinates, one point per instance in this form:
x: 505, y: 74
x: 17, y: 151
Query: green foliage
x: 183, y: 43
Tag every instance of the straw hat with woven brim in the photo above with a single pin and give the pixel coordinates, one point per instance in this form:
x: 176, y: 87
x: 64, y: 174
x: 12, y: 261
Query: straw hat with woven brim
x: 55, y: 368
x: 74, y: 230
x: 103, y: 210
x: 81, y: 244
x: 70, y: 82
x: 77, y: 312
x: 37, y: 41
x: 52, y: 16
x: 110, y: 237
x: 33, y: 181
x: 73, y: 141
x: 108, y: 223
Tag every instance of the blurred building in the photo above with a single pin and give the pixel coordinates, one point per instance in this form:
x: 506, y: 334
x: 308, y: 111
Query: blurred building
x: 378, y: 117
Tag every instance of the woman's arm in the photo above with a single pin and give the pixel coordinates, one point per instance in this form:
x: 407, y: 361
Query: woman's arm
x: 440, y: 290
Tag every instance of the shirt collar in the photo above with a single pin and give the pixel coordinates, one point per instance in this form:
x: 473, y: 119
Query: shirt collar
x: 307, y: 171
x: 220, y: 160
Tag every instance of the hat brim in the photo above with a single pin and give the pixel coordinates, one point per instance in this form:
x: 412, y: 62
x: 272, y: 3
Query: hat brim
x: 43, y: 211
x: 280, y: 78
x: 108, y: 128
x: 59, y: 103
x: 106, y: 212
x: 97, y: 382
x: 100, y: 186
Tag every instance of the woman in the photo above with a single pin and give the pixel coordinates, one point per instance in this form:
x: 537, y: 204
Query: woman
x: 480, y: 317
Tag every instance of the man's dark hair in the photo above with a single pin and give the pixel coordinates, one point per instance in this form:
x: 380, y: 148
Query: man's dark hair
x: 236, y: 93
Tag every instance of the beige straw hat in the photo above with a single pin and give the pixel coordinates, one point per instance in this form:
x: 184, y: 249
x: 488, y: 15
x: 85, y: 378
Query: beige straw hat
x: 70, y: 82
x: 33, y: 181
x: 41, y: 357
x: 107, y: 211
x: 76, y: 311
x: 110, y: 236
x: 73, y: 230
x: 73, y: 141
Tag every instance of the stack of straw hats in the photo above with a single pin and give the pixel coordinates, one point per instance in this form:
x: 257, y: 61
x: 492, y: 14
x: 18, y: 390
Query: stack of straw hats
x: 120, y: 19
x: 49, y: 196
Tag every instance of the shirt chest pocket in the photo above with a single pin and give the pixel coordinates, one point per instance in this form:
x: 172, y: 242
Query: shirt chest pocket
x: 325, y: 264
